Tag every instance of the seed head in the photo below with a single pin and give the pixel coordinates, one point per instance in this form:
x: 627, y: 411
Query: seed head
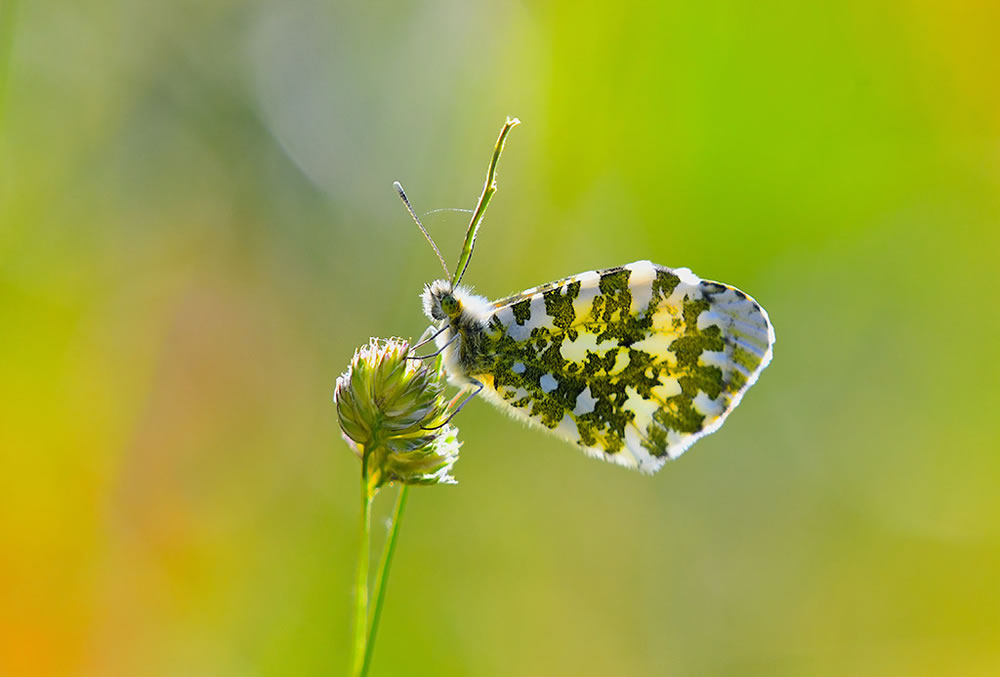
x: 389, y: 409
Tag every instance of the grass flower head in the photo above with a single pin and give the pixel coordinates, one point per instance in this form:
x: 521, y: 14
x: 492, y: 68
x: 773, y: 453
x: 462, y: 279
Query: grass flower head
x: 393, y: 414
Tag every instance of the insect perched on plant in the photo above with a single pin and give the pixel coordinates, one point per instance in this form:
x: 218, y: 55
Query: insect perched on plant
x: 632, y: 364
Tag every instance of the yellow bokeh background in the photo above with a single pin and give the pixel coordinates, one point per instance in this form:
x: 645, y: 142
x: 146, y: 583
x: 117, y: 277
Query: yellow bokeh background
x: 197, y: 227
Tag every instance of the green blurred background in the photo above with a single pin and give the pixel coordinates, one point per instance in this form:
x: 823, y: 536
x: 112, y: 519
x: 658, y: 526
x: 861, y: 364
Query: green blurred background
x: 197, y: 227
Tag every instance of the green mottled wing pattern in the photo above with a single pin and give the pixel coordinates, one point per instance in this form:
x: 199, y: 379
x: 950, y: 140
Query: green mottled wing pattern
x: 632, y: 364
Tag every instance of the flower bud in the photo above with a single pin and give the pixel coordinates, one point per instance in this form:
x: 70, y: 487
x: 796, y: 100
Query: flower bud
x: 389, y: 408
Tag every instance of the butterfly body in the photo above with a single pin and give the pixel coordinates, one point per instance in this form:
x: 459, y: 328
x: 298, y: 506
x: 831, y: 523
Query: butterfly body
x: 632, y: 364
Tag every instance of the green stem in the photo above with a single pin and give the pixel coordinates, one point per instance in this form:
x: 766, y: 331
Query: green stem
x: 361, y: 584
x: 484, y: 201
x: 382, y: 577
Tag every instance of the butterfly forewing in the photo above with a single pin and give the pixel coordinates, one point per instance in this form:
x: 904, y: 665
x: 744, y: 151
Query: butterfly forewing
x: 632, y: 364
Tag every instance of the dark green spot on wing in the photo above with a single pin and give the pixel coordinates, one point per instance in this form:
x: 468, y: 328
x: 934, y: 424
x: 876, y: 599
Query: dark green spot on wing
x: 559, y: 305
x: 522, y: 311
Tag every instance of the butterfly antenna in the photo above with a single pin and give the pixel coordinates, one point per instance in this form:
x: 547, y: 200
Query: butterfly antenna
x: 409, y: 208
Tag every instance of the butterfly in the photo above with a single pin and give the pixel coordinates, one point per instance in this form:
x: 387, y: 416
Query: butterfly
x: 631, y: 364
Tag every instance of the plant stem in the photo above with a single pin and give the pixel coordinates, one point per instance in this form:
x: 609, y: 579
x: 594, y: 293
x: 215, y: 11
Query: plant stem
x: 484, y: 201
x: 382, y: 577
x: 361, y: 584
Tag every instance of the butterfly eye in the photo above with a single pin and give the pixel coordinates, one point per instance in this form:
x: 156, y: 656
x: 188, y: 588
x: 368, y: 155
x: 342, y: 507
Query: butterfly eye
x: 449, y: 304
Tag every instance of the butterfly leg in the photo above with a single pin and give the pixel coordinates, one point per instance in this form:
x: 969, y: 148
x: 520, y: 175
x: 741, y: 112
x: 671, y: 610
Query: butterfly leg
x: 464, y: 402
x: 436, y: 352
x: 427, y: 336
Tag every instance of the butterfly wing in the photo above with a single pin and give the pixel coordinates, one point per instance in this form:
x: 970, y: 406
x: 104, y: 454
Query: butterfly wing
x: 632, y: 364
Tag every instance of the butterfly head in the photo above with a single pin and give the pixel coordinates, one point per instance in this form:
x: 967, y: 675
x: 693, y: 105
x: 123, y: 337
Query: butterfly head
x: 441, y: 302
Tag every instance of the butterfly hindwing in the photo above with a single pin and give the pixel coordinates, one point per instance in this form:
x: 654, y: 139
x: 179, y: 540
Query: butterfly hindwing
x: 633, y: 364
